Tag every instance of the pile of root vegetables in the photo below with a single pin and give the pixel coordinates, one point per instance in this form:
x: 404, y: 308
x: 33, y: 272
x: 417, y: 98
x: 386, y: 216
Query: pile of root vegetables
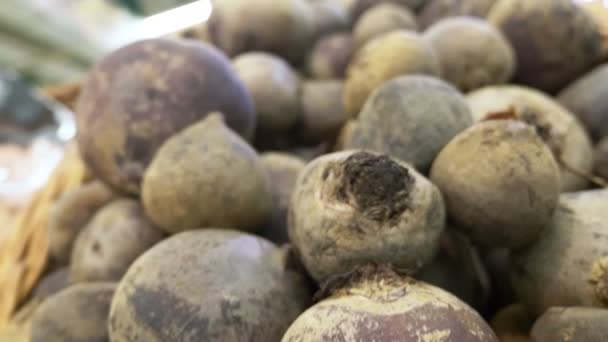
x: 335, y: 170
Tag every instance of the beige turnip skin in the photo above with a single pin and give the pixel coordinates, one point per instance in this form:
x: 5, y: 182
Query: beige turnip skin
x: 383, y: 58
x: 559, y: 128
x: 568, y: 264
x: 386, y: 307
x: 580, y: 324
x: 549, y: 54
x: 382, y: 18
x: 206, y: 176
x: 353, y: 207
x: 472, y: 53
x: 500, y: 183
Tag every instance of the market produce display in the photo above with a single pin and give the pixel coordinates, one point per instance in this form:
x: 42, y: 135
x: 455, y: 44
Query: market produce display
x: 341, y: 170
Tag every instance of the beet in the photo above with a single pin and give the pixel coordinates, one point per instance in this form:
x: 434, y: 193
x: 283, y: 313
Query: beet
x: 351, y: 208
x: 549, y: 53
x: 383, y: 306
x: 138, y: 96
x: 209, y: 285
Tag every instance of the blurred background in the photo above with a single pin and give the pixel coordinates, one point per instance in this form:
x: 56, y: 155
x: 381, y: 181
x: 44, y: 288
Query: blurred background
x: 54, y: 41
x: 46, y: 47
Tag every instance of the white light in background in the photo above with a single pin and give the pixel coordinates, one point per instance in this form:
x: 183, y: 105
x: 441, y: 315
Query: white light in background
x: 174, y: 20
x: 604, y: 2
x: 158, y: 25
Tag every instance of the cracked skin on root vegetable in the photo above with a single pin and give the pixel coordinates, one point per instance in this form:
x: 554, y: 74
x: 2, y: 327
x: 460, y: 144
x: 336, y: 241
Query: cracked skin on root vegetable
x: 499, y: 181
x: 207, y: 176
x: 352, y: 208
x: 139, y: 95
x: 568, y: 264
x: 212, y: 285
x: 383, y: 306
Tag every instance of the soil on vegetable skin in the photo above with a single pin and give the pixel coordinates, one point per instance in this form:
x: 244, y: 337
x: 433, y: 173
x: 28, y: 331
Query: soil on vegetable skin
x: 381, y: 274
x: 378, y: 186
